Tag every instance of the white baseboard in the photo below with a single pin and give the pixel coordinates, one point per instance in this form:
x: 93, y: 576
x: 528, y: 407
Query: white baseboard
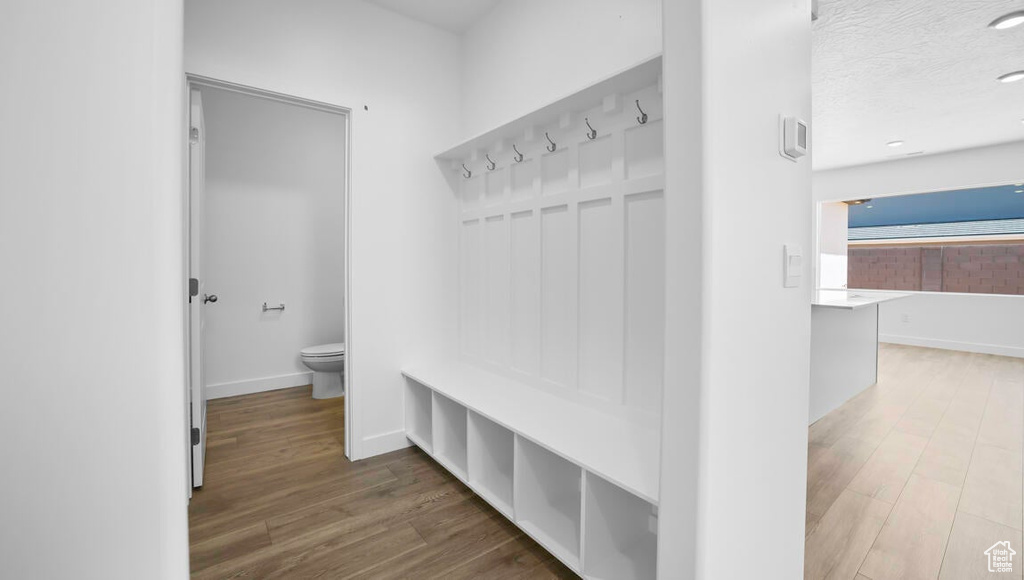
x: 384, y: 443
x: 247, y: 387
x: 996, y: 349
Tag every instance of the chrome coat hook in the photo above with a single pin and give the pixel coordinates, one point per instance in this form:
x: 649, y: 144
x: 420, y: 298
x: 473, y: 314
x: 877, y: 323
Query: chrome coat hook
x: 518, y: 156
x: 551, y: 147
x: 490, y: 163
x: 468, y: 173
x: 642, y: 119
x: 592, y: 133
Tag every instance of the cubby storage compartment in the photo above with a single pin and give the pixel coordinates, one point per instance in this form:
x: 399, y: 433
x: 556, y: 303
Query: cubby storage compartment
x: 547, y: 500
x: 491, y: 455
x: 621, y: 541
x: 450, y: 435
x: 418, y: 414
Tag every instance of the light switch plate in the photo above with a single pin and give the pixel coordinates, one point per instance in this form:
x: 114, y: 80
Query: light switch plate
x: 792, y: 265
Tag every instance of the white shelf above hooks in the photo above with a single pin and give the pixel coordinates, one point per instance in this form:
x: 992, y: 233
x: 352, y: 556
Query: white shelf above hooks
x: 560, y: 113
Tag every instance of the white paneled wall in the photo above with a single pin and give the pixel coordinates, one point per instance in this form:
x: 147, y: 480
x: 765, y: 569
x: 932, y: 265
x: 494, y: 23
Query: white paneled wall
x: 644, y: 346
x: 562, y: 256
x: 525, y: 297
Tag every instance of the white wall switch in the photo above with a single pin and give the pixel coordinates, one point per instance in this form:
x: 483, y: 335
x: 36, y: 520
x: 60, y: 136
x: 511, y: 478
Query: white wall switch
x: 793, y: 265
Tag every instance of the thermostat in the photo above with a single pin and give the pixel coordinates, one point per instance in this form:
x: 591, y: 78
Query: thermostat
x: 793, y: 135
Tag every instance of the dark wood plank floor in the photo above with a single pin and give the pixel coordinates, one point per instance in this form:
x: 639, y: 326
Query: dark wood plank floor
x: 280, y: 500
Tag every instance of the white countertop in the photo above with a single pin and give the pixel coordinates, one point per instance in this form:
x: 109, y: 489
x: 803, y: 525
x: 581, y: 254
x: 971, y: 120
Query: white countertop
x: 852, y: 299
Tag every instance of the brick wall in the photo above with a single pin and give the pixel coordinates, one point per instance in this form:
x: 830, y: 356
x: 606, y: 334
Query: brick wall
x: 977, y: 268
x: 897, y: 268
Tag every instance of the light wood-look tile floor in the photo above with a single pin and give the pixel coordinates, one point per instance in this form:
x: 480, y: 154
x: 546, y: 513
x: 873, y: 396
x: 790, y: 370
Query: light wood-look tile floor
x: 280, y: 500
x: 918, y: 475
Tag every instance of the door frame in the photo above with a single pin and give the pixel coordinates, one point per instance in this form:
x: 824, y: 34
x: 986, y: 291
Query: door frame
x: 198, y: 82
x: 196, y: 406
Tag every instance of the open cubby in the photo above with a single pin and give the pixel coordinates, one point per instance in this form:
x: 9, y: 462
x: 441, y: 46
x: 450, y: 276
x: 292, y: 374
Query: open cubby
x: 418, y: 415
x: 450, y: 435
x: 547, y: 500
x: 491, y: 455
x: 621, y: 541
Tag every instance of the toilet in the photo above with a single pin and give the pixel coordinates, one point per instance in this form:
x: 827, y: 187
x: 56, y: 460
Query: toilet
x: 327, y: 361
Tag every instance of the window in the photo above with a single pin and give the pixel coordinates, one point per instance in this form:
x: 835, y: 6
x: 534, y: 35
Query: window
x: 968, y: 240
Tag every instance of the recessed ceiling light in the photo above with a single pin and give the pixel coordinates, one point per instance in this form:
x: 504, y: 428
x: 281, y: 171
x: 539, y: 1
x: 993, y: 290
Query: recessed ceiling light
x: 857, y: 201
x: 1008, y: 20
x: 895, y: 143
x: 1011, y: 77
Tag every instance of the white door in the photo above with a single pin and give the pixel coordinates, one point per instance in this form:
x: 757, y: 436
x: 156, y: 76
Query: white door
x: 198, y: 298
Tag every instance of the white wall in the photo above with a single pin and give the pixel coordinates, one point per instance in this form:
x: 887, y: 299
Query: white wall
x: 403, y: 250
x: 975, y: 323
x: 273, y: 232
x: 982, y: 166
x: 730, y: 70
x: 832, y: 245
x: 91, y: 342
x: 987, y: 323
x: 527, y: 53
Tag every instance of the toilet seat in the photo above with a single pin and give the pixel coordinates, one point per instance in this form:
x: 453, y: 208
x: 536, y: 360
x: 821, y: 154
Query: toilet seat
x: 324, y: 350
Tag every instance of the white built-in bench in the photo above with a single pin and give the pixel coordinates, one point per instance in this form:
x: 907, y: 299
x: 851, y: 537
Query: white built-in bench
x: 581, y: 482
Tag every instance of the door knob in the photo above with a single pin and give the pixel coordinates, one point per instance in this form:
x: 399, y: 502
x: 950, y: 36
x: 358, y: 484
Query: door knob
x: 209, y: 298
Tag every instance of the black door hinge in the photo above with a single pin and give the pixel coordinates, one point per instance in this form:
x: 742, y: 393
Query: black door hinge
x: 195, y: 436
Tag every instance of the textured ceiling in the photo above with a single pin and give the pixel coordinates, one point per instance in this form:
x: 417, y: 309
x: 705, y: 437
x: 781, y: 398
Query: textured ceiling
x: 452, y: 15
x: 920, y: 71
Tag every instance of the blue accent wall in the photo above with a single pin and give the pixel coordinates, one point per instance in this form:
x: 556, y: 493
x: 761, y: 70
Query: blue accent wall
x: 989, y: 203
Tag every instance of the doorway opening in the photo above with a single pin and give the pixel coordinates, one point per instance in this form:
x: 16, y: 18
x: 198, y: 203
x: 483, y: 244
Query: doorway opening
x: 267, y: 249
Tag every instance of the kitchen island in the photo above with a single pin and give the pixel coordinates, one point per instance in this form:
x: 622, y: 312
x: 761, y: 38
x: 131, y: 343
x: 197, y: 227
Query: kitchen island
x: 844, y: 346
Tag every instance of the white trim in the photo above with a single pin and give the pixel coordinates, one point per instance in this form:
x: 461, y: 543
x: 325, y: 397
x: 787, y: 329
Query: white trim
x: 250, y: 386
x: 352, y: 422
x: 200, y: 80
x: 995, y: 349
x: 384, y: 443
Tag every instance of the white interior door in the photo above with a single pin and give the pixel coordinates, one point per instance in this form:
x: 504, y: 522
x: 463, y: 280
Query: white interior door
x: 198, y: 298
